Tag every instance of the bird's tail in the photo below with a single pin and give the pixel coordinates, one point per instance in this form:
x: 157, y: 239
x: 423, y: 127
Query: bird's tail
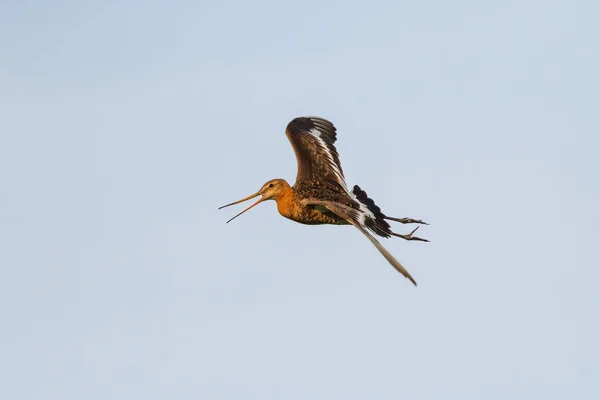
x: 375, y: 220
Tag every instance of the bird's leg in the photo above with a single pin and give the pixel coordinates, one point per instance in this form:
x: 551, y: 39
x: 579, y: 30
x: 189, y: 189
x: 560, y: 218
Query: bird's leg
x: 410, y: 236
x: 407, y: 220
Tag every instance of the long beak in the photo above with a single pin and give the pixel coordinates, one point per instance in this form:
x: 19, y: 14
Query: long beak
x: 241, y: 201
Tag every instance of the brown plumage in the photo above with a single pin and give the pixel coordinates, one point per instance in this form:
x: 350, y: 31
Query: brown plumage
x: 320, y: 194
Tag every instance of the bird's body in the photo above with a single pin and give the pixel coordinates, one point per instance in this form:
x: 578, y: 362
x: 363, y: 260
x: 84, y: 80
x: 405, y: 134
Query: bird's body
x: 291, y: 205
x: 320, y: 194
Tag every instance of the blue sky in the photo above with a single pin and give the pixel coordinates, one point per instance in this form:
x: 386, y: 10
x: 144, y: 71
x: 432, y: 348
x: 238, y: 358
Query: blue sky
x: 124, y: 126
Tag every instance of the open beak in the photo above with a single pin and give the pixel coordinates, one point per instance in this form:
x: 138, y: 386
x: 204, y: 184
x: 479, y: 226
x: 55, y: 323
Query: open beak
x: 241, y: 201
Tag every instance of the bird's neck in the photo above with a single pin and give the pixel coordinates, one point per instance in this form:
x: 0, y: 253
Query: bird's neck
x: 286, y: 203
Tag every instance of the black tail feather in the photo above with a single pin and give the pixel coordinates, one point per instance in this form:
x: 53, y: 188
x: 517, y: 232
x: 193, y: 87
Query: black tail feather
x: 379, y: 225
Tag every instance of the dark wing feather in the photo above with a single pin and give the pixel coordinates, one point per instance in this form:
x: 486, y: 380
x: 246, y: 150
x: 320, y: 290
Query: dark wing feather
x: 313, y: 141
x: 356, y: 218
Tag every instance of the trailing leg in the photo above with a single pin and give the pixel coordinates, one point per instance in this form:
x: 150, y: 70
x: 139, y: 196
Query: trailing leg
x: 406, y: 220
x: 410, y: 236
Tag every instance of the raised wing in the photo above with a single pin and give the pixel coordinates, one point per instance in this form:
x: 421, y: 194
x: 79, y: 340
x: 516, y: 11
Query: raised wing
x: 357, y: 218
x: 313, y: 141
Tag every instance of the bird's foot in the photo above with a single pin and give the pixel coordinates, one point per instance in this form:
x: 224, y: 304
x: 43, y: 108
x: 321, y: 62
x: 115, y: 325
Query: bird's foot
x: 407, y: 220
x: 410, y: 236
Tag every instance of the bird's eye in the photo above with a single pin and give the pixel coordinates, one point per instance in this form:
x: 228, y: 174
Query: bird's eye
x: 270, y: 185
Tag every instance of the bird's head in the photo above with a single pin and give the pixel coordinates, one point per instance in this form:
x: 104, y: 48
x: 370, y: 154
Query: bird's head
x: 271, y: 190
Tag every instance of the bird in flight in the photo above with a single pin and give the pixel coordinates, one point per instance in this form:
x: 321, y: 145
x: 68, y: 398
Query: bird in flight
x: 320, y: 194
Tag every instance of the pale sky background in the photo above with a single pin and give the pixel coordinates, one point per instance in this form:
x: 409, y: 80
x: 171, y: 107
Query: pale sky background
x: 124, y: 125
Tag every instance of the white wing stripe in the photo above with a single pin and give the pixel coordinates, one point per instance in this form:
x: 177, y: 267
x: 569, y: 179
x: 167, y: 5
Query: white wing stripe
x: 333, y: 166
x: 364, y: 210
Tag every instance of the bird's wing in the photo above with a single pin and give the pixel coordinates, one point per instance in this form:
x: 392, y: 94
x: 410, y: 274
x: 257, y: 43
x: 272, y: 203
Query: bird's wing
x: 313, y: 141
x: 357, y: 218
